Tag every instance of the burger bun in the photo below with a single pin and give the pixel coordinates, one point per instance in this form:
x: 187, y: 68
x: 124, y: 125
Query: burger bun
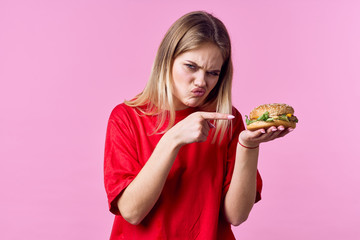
x: 264, y: 125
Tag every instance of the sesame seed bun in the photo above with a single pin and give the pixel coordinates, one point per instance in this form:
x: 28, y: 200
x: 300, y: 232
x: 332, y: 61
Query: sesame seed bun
x: 274, y: 109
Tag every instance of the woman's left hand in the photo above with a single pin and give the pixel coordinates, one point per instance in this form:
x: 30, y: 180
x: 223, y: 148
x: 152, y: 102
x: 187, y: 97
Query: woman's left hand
x: 254, y: 138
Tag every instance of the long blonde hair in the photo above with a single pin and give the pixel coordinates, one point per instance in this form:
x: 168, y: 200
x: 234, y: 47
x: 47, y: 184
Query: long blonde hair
x: 187, y: 33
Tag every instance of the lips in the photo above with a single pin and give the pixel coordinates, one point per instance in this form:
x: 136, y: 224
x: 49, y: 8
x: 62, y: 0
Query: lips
x: 198, y: 92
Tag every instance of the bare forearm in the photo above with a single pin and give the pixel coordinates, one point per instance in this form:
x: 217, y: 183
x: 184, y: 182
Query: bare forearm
x: 240, y: 197
x: 142, y: 193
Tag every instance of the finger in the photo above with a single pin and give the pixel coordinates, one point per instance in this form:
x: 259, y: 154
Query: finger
x: 256, y: 133
x: 211, y: 125
x: 272, y: 129
x: 275, y: 134
x: 286, y: 131
x: 268, y: 135
x: 204, y: 133
x: 279, y: 132
x: 206, y: 128
x: 216, y: 116
x: 203, y: 128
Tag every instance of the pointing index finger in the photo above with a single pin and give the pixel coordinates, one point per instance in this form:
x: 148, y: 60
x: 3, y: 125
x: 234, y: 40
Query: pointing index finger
x: 216, y: 116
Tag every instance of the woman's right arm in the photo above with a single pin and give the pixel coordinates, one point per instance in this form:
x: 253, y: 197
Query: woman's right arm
x: 139, y: 197
x: 142, y: 193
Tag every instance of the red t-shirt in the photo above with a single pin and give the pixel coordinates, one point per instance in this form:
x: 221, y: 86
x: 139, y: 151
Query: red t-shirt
x: 190, y: 205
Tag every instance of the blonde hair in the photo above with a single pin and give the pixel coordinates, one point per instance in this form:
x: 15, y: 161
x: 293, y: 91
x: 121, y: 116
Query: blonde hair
x: 187, y: 33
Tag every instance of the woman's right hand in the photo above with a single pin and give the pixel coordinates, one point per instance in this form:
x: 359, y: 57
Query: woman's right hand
x: 195, y: 127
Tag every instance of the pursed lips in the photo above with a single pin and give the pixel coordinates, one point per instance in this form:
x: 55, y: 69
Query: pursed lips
x: 198, y: 92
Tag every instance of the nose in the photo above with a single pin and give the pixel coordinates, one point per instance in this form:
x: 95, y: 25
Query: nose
x: 200, y: 79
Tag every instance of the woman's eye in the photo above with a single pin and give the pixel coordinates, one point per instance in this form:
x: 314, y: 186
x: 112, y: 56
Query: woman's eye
x: 190, y: 66
x: 216, y: 74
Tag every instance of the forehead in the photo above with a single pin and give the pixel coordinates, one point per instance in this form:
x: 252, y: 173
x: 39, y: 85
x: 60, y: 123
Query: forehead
x: 207, y: 55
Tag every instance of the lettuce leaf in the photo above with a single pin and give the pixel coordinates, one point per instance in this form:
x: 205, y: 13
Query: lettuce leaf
x: 249, y: 121
x: 264, y: 117
x: 284, y: 118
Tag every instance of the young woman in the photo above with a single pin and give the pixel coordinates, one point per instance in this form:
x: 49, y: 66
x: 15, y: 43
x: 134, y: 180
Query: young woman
x: 179, y: 163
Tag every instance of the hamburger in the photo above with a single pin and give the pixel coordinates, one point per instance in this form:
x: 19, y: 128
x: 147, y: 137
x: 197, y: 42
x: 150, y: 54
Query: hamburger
x: 268, y: 115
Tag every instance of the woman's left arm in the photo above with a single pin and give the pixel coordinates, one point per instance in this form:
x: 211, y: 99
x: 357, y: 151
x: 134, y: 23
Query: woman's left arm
x: 240, y: 197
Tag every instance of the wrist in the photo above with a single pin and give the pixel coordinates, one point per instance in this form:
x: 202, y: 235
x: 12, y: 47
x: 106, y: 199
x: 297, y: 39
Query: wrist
x: 172, y: 140
x: 248, y: 146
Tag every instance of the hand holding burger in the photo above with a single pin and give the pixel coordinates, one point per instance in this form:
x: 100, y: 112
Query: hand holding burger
x: 266, y: 123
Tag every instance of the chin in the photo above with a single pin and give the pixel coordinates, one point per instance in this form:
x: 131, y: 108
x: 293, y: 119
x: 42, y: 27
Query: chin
x: 193, y: 104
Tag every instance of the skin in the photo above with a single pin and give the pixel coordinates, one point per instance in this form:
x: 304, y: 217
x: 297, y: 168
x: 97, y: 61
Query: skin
x: 196, y: 69
x: 239, y: 199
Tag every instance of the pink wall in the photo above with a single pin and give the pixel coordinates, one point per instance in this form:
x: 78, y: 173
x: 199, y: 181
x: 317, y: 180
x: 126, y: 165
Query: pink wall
x: 65, y: 64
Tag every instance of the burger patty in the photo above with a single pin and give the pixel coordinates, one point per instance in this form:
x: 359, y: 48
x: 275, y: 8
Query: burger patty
x: 293, y: 119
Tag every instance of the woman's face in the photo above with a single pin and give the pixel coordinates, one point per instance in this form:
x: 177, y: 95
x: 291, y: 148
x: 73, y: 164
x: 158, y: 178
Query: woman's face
x: 195, y: 73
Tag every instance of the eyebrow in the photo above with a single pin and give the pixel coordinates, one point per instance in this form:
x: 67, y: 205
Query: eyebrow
x: 197, y: 65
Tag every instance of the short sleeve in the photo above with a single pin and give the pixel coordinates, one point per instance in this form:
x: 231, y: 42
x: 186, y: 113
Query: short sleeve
x: 259, y: 185
x: 120, y: 157
x: 238, y: 127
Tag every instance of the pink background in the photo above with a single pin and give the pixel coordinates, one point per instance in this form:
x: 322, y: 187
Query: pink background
x: 65, y: 64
